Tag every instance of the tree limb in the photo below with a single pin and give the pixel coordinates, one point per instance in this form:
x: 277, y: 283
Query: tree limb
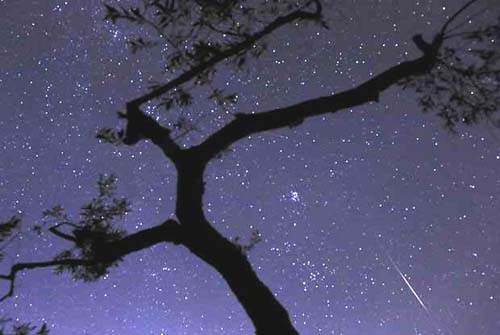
x: 168, y: 231
x: 141, y: 126
x: 246, y: 124
x: 455, y: 15
x: 233, y: 51
x: 62, y: 235
x: 11, y: 277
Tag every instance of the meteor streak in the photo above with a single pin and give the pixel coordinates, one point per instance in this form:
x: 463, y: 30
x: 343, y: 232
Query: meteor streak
x: 396, y: 267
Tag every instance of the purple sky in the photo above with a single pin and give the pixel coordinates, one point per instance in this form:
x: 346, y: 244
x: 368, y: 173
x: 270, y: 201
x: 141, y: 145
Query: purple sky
x: 335, y: 199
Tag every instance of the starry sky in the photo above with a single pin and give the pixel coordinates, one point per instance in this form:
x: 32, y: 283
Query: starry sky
x: 349, y: 206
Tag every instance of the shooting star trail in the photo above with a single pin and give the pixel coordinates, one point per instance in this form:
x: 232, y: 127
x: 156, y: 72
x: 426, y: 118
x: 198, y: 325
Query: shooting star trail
x: 431, y: 317
x: 396, y: 267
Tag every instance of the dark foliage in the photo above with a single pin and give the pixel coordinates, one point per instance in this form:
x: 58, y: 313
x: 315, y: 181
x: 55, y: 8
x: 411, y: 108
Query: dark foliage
x: 193, y: 33
x: 463, y: 86
x: 92, y: 233
x: 7, y: 327
x: 8, y: 230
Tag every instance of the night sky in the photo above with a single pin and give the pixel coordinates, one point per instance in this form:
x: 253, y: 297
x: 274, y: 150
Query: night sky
x: 346, y: 204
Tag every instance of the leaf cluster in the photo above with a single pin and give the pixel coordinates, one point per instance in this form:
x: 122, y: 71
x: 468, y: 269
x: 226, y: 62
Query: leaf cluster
x: 22, y: 329
x: 255, y: 239
x: 8, y: 229
x: 180, y: 98
x: 464, y: 85
x: 93, y: 232
x: 192, y: 32
x: 110, y: 135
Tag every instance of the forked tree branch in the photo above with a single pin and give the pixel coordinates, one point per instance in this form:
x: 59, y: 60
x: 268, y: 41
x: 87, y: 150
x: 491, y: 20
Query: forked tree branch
x: 54, y: 230
x: 141, y: 126
x: 168, y: 231
x: 11, y: 277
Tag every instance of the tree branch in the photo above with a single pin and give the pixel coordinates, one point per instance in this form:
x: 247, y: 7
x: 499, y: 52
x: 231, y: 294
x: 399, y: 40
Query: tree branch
x: 246, y: 124
x: 62, y: 235
x: 233, y: 51
x: 224, y: 32
x: 455, y: 15
x: 141, y: 126
x: 11, y: 277
x: 168, y: 231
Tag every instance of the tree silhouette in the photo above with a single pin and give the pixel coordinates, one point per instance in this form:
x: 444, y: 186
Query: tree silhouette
x: 457, y: 76
x: 9, y: 328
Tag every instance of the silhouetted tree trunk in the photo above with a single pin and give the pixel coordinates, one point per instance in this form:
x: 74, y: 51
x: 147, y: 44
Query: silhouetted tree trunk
x: 265, y: 311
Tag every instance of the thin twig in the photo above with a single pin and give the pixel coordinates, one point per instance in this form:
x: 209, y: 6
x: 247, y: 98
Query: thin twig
x: 455, y: 15
x: 11, y: 277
